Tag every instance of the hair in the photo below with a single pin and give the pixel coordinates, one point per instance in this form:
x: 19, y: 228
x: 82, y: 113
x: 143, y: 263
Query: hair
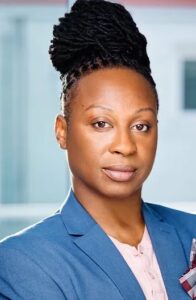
x: 96, y: 34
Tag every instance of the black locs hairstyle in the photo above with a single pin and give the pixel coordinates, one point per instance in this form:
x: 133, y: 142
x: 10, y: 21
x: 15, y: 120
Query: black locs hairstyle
x: 96, y: 34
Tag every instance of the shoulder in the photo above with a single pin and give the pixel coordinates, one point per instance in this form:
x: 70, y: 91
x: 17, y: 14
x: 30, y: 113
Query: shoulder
x: 48, y: 230
x: 29, y: 261
x: 41, y: 240
x: 177, y: 218
x: 21, y: 277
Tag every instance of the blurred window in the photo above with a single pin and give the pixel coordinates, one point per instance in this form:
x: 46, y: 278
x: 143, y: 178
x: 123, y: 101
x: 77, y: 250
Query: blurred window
x: 32, y: 185
x: 13, y: 111
x: 190, y: 84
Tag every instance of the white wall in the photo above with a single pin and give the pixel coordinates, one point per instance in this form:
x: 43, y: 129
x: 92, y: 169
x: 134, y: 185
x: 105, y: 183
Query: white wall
x: 171, y: 40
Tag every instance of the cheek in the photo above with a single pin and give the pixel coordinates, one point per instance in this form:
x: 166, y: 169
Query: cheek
x: 154, y: 141
x: 147, y: 149
x: 87, y: 139
x: 84, y: 148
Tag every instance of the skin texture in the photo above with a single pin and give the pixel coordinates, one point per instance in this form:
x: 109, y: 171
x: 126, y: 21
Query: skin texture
x: 113, y: 122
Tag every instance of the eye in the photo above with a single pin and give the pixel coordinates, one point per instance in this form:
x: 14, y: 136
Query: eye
x: 101, y: 124
x: 141, y: 127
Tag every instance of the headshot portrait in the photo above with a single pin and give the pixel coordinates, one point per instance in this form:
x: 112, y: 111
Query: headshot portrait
x: 107, y: 239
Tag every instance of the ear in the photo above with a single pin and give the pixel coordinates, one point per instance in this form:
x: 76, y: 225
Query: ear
x: 61, y: 131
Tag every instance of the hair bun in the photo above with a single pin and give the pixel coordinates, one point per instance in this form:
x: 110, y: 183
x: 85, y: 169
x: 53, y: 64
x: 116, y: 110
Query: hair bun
x: 96, y: 28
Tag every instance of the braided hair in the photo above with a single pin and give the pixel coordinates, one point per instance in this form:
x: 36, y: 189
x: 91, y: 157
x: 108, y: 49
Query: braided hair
x: 94, y: 35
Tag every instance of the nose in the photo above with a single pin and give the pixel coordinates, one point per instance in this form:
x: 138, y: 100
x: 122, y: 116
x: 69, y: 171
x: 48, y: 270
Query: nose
x: 123, y: 143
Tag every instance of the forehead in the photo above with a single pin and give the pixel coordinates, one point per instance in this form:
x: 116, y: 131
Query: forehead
x: 115, y: 87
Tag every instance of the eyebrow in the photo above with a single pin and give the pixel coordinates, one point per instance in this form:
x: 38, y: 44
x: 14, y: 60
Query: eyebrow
x: 146, y: 109
x: 109, y: 109
x: 98, y: 106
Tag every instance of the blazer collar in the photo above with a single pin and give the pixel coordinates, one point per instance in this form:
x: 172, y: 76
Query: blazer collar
x: 169, y: 252
x: 76, y: 219
x: 92, y: 240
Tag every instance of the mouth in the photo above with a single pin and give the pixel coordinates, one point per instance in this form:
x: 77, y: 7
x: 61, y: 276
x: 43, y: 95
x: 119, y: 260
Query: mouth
x: 120, y: 173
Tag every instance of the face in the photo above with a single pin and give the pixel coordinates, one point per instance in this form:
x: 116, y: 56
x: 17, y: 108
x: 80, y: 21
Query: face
x: 111, y: 138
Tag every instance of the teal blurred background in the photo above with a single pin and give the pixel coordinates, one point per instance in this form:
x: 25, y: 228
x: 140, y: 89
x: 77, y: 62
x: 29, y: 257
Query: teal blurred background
x: 34, y: 177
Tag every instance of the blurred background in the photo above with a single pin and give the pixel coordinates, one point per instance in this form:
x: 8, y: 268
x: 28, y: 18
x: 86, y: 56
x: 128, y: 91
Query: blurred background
x: 34, y: 178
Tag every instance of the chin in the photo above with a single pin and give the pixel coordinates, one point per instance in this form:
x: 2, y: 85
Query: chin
x: 120, y: 191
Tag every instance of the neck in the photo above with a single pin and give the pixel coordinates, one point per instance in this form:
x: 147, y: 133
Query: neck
x: 119, y: 217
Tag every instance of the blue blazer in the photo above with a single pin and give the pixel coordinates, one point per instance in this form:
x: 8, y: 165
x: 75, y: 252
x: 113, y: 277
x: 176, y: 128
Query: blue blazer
x: 69, y: 256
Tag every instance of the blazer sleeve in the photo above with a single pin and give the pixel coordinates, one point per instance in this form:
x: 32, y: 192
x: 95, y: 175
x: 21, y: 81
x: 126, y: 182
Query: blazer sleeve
x: 22, y: 278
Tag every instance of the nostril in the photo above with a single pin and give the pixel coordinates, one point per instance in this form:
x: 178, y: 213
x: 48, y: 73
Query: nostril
x: 123, y: 143
x: 117, y: 152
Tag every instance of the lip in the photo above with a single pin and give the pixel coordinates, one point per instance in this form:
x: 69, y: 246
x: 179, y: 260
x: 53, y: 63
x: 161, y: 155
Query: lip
x: 120, y: 173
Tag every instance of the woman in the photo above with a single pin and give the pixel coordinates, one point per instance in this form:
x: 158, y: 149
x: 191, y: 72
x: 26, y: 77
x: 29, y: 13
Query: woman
x: 105, y: 242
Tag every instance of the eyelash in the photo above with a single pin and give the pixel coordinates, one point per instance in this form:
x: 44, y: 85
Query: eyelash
x: 142, y: 126
x: 147, y: 127
x: 99, y: 122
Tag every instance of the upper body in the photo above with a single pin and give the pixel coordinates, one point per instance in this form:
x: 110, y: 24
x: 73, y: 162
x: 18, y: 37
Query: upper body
x: 69, y: 256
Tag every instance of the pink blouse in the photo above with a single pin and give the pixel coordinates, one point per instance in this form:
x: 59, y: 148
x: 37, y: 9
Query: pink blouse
x: 143, y: 263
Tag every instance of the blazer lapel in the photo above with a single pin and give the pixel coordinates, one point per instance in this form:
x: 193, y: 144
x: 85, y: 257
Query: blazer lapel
x: 102, y: 251
x: 169, y: 252
x: 92, y: 240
